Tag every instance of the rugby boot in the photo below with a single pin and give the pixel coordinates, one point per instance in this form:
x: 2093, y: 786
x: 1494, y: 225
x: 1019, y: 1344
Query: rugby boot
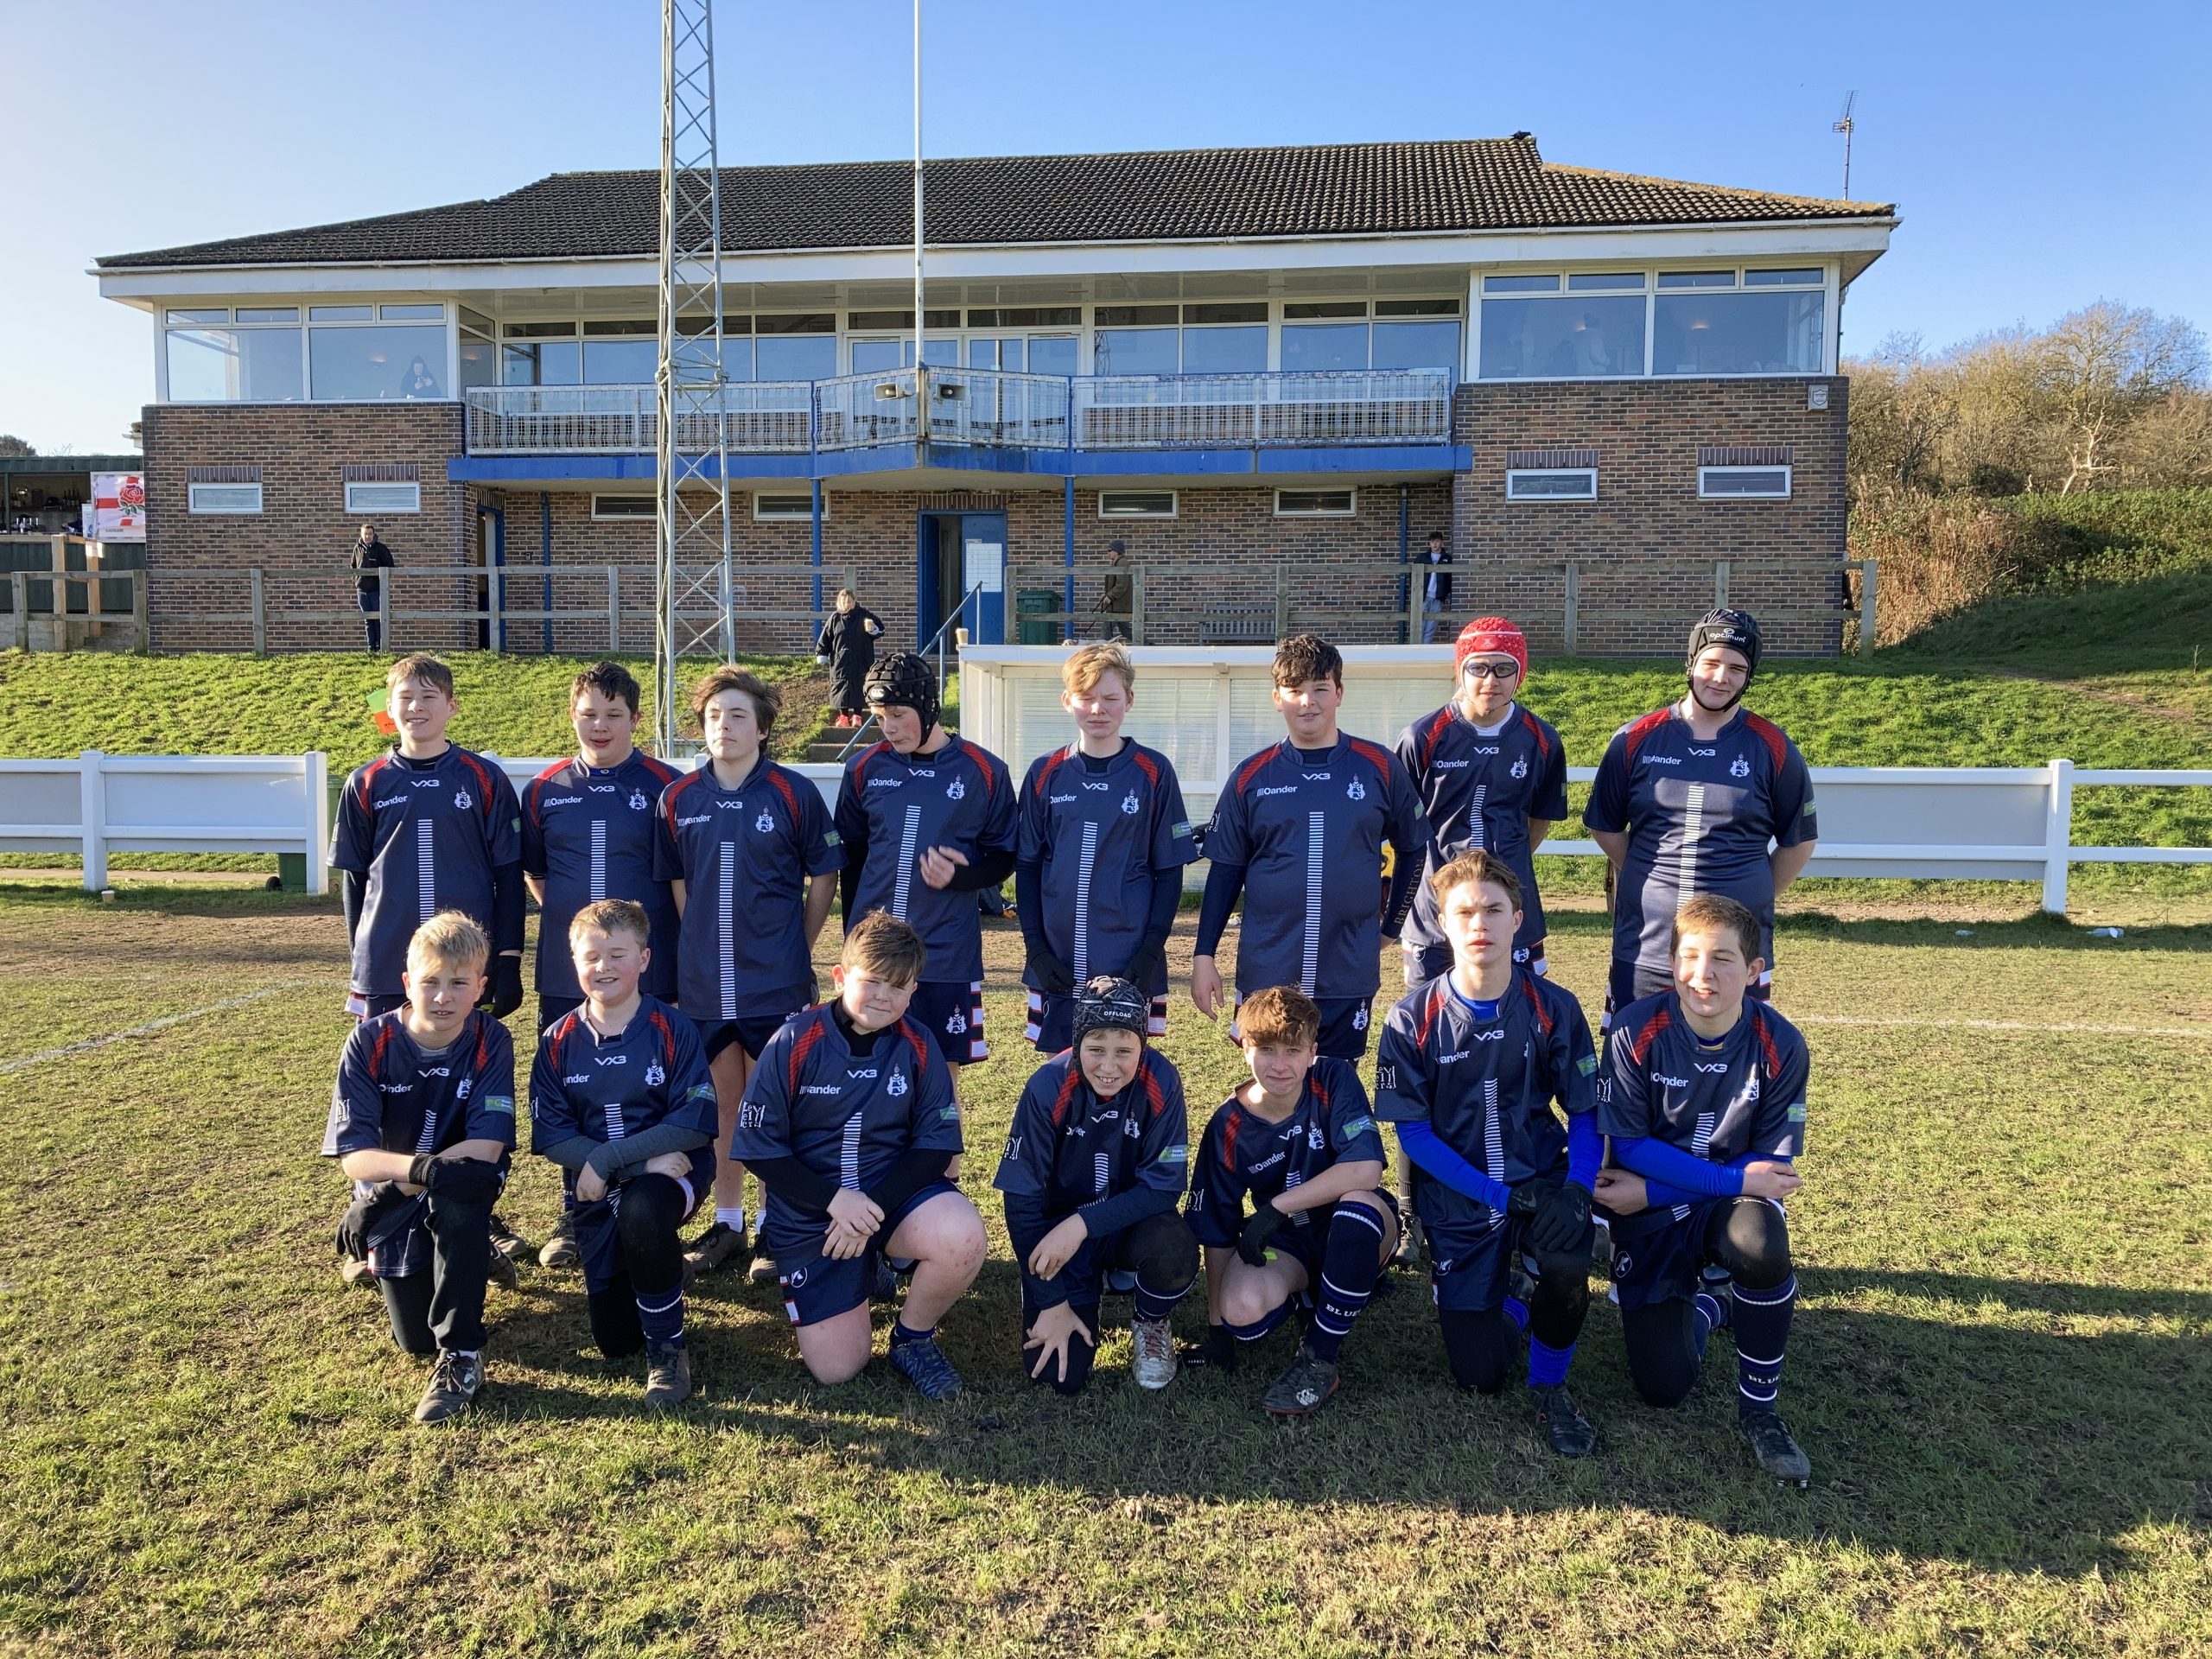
x: 560, y: 1249
x: 453, y: 1382
x: 1775, y: 1447
x: 509, y: 1243
x: 1566, y: 1431
x: 668, y: 1376
x: 922, y: 1364
x: 1152, y: 1359
x: 1303, y: 1388
x: 711, y: 1250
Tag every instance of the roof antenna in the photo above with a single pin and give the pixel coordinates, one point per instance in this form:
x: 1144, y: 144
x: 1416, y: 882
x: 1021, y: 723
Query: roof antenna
x: 1845, y: 125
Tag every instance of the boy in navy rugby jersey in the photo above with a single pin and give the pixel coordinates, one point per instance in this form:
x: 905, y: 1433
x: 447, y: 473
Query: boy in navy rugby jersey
x: 1093, y: 1171
x: 620, y: 1098
x: 1470, y: 1064
x: 1104, y: 837
x: 1702, y: 796
x: 1704, y: 1097
x: 927, y: 820
x: 749, y: 846
x: 1298, y: 831
x: 422, y: 1118
x: 850, y: 1123
x: 1299, y: 1140
x: 587, y: 833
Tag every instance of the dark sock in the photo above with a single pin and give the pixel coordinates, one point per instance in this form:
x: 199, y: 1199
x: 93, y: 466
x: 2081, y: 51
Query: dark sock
x: 1708, y: 1314
x: 1350, y: 1261
x: 1762, y: 1327
x: 1150, y: 1304
x: 661, y: 1317
x: 900, y: 1335
x: 1259, y: 1327
x: 1517, y: 1311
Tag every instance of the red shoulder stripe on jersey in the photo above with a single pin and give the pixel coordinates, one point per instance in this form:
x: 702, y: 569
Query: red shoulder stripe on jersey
x: 1429, y: 1010
x: 1250, y: 769
x: 483, y: 1040
x: 1155, y: 1096
x: 667, y: 1035
x: 367, y: 777
x: 664, y: 774
x: 668, y: 798
x: 1536, y: 730
x: 1229, y: 1126
x: 860, y: 761
x: 1438, y: 723
x: 1320, y: 1088
x: 783, y: 788
x: 1050, y: 763
x: 1643, y: 729
x: 1767, y: 1045
x: 483, y: 780
x: 1067, y: 1092
x: 1536, y: 1000
x: 805, y: 1042
x: 1769, y: 734
x: 987, y: 764
x: 376, y: 1052
x: 546, y: 776
x: 1639, y: 1046
x: 561, y: 1027
x: 1147, y: 765
x: 921, y: 1046
x: 1375, y: 756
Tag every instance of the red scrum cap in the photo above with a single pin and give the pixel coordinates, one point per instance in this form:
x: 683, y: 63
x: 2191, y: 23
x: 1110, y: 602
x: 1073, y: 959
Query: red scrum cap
x: 1491, y: 633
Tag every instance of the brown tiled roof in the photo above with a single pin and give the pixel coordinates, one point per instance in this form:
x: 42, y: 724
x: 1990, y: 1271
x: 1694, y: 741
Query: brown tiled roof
x: 1473, y: 184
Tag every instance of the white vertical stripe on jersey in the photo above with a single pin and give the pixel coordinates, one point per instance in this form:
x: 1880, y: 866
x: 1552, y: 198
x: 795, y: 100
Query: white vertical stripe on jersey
x: 1475, y: 840
x: 1693, y: 829
x: 1493, y: 1132
x: 1099, y: 1173
x: 848, y: 1160
x: 1312, y: 967
x: 1085, y: 866
x: 726, y: 874
x: 426, y: 873
x: 901, y: 888
x: 598, y: 859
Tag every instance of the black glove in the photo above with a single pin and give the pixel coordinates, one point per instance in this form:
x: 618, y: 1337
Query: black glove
x: 1219, y: 1349
x: 465, y: 1180
x: 1562, y: 1220
x: 506, y: 986
x: 365, y: 1218
x: 1143, y: 968
x: 1252, y: 1242
x: 1525, y: 1199
x: 1053, y: 977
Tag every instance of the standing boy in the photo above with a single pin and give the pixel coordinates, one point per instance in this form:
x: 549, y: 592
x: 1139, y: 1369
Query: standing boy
x: 620, y: 1098
x: 850, y: 1123
x: 1299, y: 832
x: 747, y: 844
x: 422, y: 1119
x: 1702, y: 796
x: 1299, y: 1139
x: 927, y: 819
x: 1470, y: 1064
x: 1098, y: 874
x: 1704, y: 1097
x: 1093, y: 1171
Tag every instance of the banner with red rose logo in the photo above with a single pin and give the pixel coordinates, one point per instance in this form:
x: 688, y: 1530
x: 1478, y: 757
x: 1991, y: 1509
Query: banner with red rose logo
x: 119, y: 506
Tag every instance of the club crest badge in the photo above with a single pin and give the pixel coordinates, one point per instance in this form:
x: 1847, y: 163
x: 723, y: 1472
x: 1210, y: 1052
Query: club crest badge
x: 655, y: 1075
x: 1356, y: 790
x: 637, y: 801
x: 1129, y: 803
x: 955, y: 790
x: 462, y: 799
x: 1739, y: 767
x: 461, y: 1092
x: 1520, y: 767
x: 897, y: 1085
x: 957, y: 1024
x: 1359, y: 1018
x: 765, y: 823
x: 1313, y: 1137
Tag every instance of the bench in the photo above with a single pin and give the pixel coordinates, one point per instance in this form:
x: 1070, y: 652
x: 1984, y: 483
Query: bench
x: 1236, y: 625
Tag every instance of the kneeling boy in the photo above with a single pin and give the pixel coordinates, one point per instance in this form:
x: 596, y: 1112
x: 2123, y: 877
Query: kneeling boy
x: 1704, y: 1096
x: 1093, y: 1172
x: 422, y: 1118
x: 849, y: 1123
x: 620, y: 1098
x: 1470, y: 1064
x: 1300, y: 1138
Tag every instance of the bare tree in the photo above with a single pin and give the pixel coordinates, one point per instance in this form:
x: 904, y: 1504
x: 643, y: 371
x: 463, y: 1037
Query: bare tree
x: 11, y: 446
x: 2101, y: 366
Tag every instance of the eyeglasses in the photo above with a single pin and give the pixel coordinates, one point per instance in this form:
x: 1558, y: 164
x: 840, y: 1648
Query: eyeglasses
x: 1475, y: 670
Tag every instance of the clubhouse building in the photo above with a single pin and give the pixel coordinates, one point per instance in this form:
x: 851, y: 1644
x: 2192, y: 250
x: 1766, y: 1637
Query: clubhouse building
x: 1268, y: 373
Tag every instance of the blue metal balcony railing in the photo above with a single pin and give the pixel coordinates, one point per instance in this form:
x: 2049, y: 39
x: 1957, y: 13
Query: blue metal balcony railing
x: 981, y: 407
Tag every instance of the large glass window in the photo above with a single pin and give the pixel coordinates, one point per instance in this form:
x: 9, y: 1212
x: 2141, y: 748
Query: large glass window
x: 1765, y: 333
x: 621, y: 352
x: 478, y: 365
x: 1051, y: 354
x: 1312, y: 346
x: 1136, y: 351
x: 1225, y: 351
x: 399, y: 360
x: 1584, y: 335
x: 259, y: 366
x: 1417, y: 344
x: 1594, y: 324
x: 797, y: 346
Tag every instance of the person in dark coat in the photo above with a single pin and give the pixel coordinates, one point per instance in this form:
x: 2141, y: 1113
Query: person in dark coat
x: 1116, y: 594
x: 371, y: 555
x: 1436, y: 589
x: 847, y: 644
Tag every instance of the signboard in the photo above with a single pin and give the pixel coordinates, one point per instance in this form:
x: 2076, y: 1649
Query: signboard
x: 119, y: 507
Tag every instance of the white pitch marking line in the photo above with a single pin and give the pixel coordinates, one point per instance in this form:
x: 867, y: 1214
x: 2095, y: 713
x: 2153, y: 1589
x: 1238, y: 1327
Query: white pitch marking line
x: 89, y: 1044
x: 1994, y: 1024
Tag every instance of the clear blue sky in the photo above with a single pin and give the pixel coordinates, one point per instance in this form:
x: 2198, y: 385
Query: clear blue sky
x: 2043, y: 155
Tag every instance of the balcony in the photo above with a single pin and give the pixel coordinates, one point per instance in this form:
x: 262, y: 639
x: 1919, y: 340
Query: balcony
x: 981, y: 408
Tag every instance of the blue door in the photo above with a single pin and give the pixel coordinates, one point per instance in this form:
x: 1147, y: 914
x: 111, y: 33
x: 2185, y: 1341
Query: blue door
x: 982, y: 563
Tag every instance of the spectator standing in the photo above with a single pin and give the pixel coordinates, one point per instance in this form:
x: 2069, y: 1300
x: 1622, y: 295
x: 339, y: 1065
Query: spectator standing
x: 847, y: 644
x: 371, y: 555
x: 1436, y: 593
x: 1116, y: 594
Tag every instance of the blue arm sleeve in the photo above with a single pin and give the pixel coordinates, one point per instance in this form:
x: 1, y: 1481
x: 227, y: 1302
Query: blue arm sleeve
x: 1654, y: 1159
x: 1418, y: 1137
x: 1586, y: 1149
x: 1224, y: 882
x: 1661, y: 1195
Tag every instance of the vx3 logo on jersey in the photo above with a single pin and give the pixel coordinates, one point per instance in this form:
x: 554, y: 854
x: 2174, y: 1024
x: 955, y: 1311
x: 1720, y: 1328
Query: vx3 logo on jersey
x: 610, y: 1059
x: 866, y: 1071
x: 1696, y: 750
x: 427, y: 782
x: 602, y: 789
x: 1087, y: 784
x: 1488, y: 748
x: 1713, y: 1068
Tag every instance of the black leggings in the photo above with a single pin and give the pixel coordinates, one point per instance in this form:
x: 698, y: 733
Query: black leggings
x: 1483, y: 1345
x: 1751, y: 1239
x: 1162, y: 1251
x: 649, y: 1262
x: 444, y: 1308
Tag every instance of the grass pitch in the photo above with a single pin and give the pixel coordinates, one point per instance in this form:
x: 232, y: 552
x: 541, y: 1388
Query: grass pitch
x: 2002, y: 1370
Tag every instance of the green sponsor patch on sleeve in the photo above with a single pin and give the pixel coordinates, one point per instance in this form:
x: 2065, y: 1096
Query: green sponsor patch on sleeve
x: 830, y: 838
x: 1797, y: 1112
x: 1182, y: 829
x: 1356, y: 1128
x: 1586, y: 1064
x: 500, y: 1105
x: 1175, y: 1154
x: 949, y: 1115
x: 700, y: 1092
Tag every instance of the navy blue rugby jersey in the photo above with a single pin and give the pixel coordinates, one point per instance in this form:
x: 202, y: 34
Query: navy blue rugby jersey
x: 390, y: 1097
x: 744, y: 855
x: 1487, y: 1085
x: 426, y: 835
x: 1069, y: 1147
x: 1719, y: 1101
x: 1700, y: 817
x: 1479, y: 788
x: 841, y: 1115
x: 1243, y: 1153
x: 1102, y: 831
x: 654, y: 1071
x: 891, y: 808
x: 588, y: 834
x: 1310, y: 834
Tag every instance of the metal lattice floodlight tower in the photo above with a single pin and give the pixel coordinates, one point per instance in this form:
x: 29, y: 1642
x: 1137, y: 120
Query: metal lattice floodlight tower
x: 694, y: 591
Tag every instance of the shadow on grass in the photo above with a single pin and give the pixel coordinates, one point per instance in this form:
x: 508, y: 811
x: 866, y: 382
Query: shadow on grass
x: 2010, y: 1425
x: 2033, y: 933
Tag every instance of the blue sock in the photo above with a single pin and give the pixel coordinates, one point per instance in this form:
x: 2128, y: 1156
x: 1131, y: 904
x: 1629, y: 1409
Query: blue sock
x: 1517, y: 1311
x: 1708, y: 1315
x: 1547, y: 1364
x: 1260, y: 1327
x: 1761, y: 1326
x: 1150, y: 1304
x: 900, y: 1335
x: 662, y: 1318
x: 1350, y: 1261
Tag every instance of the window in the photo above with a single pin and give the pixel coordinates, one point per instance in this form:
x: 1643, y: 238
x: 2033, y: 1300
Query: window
x: 391, y: 361
x: 268, y: 314
x: 1225, y: 351
x: 1559, y: 483
x: 384, y: 497
x: 886, y: 321
x: 1323, y: 346
x: 218, y: 313
x: 770, y: 509
x: 1758, y: 333
x: 1742, y: 483
x: 224, y: 498
x: 412, y: 313
x: 253, y: 365
x: 802, y: 346
x: 1586, y: 335
x: 1052, y: 355
x: 623, y: 506
x: 351, y: 352
x: 1595, y: 324
x: 1136, y: 504
x: 1415, y: 345
x: 1316, y: 504
x: 876, y: 356
x: 340, y: 313
x: 1027, y: 316
x: 1416, y: 307
x: 1136, y: 351
x: 1782, y: 279
x: 621, y: 352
